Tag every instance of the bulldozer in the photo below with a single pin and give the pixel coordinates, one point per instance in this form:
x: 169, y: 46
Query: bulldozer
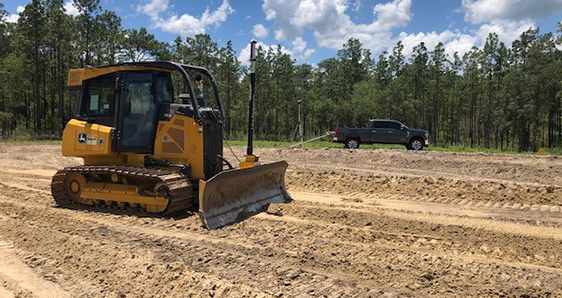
x: 145, y: 154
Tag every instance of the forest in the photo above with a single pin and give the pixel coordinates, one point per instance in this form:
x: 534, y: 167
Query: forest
x: 497, y: 96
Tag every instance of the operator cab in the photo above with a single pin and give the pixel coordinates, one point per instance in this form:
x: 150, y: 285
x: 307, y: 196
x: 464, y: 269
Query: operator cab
x: 132, y: 101
x: 133, y: 97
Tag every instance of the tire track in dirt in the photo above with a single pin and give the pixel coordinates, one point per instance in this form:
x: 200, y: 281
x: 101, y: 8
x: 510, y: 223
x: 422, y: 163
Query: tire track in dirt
x: 471, y: 223
x: 521, y: 168
x: 350, y: 250
x: 20, y: 278
x: 549, y: 216
x: 357, y: 244
x: 266, y: 266
x: 437, y: 188
x: 39, y: 174
x: 552, y: 232
x: 128, y: 267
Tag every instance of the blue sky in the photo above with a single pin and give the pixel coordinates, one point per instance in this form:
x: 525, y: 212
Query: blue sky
x: 312, y: 30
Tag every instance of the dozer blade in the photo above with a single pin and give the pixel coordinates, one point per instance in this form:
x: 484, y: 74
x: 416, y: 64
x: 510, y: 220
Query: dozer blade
x: 234, y: 195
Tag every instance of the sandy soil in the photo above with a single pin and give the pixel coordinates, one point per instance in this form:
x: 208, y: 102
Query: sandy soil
x: 368, y: 223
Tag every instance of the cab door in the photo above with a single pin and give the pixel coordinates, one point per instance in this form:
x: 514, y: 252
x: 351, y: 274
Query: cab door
x: 378, y: 132
x: 396, y: 133
x: 136, y: 129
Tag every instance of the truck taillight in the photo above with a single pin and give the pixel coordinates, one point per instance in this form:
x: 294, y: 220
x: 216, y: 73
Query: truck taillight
x: 336, y: 133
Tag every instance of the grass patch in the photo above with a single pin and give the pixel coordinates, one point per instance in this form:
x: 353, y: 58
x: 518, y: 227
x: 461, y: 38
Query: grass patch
x: 328, y: 144
x: 542, y: 151
x: 318, y: 144
x: 31, y: 142
x: 460, y: 149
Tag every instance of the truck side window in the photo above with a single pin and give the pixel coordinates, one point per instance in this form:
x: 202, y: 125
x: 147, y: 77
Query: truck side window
x: 386, y: 124
x: 394, y: 125
x: 379, y: 124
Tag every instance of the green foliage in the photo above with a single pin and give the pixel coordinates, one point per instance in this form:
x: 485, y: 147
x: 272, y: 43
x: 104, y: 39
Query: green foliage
x: 140, y: 46
x: 498, y: 97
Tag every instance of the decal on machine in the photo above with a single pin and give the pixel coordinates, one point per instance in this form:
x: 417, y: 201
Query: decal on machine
x: 91, y: 140
x: 82, y: 138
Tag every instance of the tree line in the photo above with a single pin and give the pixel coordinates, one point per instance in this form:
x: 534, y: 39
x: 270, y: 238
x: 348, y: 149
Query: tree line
x: 495, y: 96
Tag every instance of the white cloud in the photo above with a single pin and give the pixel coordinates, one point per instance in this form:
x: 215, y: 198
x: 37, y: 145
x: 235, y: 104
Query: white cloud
x: 357, y: 5
x: 299, y: 44
x: 299, y: 51
x: 281, y: 12
x: 13, y: 18
x: 186, y: 24
x: 478, y: 11
x: 460, y: 44
x: 153, y: 8
x: 71, y: 9
x: 244, y: 57
x: 430, y: 39
x: 332, y: 26
x: 507, y: 31
x: 307, y: 53
x: 330, y: 23
x: 454, y: 41
x: 260, y: 31
x: 393, y: 14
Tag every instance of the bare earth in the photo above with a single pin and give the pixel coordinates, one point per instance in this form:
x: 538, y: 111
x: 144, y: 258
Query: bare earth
x: 368, y: 223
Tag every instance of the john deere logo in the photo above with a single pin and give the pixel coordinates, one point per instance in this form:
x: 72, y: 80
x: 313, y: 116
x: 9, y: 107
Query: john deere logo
x: 82, y: 138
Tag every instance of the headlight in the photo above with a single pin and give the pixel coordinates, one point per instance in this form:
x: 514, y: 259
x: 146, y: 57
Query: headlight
x: 427, y: 134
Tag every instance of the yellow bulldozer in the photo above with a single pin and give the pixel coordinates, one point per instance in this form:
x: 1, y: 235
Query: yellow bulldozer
x: 144, y: 154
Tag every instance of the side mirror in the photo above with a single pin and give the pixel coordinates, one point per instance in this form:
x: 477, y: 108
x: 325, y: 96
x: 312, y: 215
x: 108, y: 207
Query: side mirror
x: 402, y: 127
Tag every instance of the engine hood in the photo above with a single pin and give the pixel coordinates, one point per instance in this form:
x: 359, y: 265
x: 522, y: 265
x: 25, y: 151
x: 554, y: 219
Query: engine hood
x: 420, y: 132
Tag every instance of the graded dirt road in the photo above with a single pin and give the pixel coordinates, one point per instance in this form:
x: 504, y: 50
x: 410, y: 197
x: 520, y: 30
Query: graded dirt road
x: 368, y: 223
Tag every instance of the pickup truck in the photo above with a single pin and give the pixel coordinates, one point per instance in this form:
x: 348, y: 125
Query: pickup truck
x: 382, y: 131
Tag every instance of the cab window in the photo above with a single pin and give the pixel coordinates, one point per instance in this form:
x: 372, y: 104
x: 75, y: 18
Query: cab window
x: 164, y: 88
x: 139, y: 110
x: 99, y: 98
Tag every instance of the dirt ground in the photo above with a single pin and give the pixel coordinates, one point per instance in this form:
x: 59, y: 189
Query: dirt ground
x: 368, y: 223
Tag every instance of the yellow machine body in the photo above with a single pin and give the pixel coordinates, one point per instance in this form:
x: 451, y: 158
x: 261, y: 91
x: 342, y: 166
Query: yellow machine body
x: 181, y: 168
x: 76, y: 77
x: 179, y: 141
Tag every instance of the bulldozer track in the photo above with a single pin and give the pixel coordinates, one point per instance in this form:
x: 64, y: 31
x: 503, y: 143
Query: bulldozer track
x: 180, y: 189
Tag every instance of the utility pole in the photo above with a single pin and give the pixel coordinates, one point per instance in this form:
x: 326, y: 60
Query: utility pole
x: 250, y: 151
x: 301, y: 128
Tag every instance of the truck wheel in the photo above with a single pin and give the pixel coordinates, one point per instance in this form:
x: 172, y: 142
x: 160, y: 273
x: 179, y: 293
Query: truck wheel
x: 352, y: 144
x: 415, y: 144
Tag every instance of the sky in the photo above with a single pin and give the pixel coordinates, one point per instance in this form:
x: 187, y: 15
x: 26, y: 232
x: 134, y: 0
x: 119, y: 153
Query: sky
x: 313, y: 30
